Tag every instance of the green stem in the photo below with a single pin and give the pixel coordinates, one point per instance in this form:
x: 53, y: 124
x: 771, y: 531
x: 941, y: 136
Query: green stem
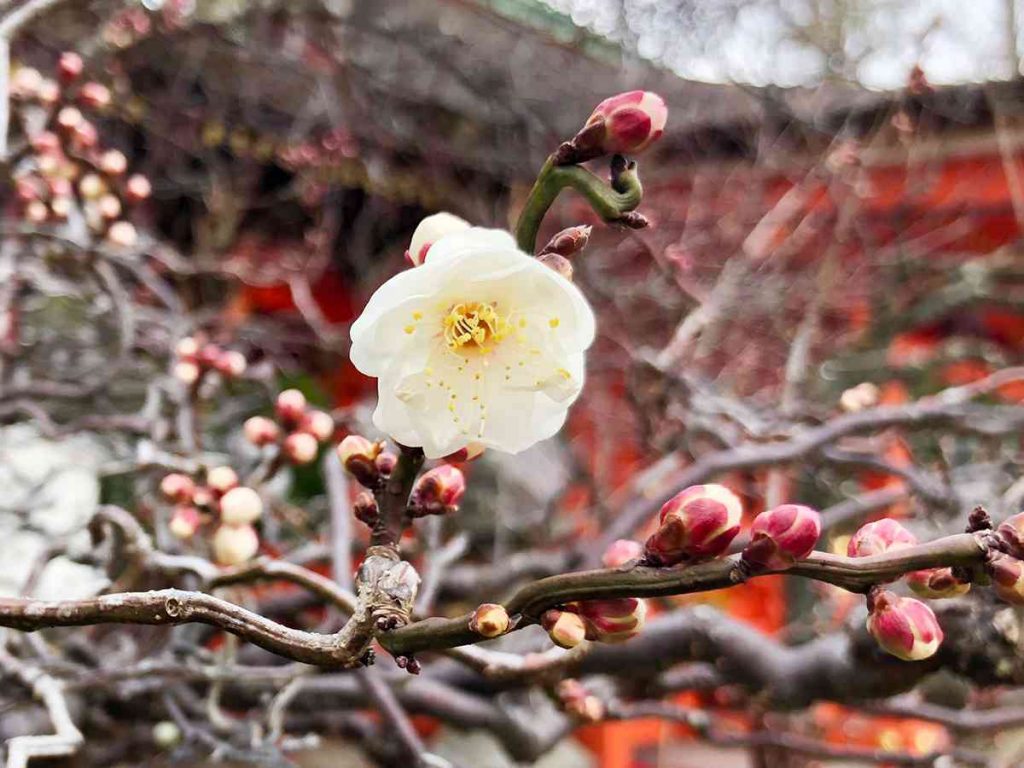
x: 609, y: 203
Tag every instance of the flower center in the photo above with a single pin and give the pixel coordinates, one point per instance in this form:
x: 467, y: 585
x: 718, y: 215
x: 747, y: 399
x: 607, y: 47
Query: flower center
x: 474, y: 326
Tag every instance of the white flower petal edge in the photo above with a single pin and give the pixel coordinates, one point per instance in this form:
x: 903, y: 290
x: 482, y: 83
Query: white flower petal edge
x: 479, y: 344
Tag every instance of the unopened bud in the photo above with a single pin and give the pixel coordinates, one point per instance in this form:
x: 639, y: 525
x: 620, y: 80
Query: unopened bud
x: 1007, y: 578
x: 290, y: 405
x: 61, y: 207
x: 622, y: 551
x: 69, y: 118
x: 84, y: 134
x: 235, y: 544
x: 186, y: 372
x: 566, y: 629
x: 36, y: 212
x: 568, y: 241
x: 209, y: 355
x: 69, y: 66
x: 221, y: 480
x: 857, y: 398
x: 365, y: 509
x: 46, y: 142
x: 781, y: 536
x: 178, y: 487
x: 241, y: 505
x: 429, y: 231
x: 166, y: 735
x: 123, y: 234
x: 113, y: 162
x: 385, y: 462
x: 259, y: 430
x: 109, y: 206
x: 184, y: 522
x: 187, y: 348
x: 578, y: 702
x: 91, y: 186
x: 94, y: 95
x: 318, y: 424
x: 357, y: 455
x: 904, y: 627
x: 489, y: 620
x: 469, y: 453
x: 1011, y: 531
x: 300, y: 448
x: 438, y: 491
x: 697, y: 524
x: 614, y: 620
x: 878, y: 537
x: 231, y: 364
x: 937, y: 583
x: 137, y: 188
x: 625, y: 124
x: 557, y: 262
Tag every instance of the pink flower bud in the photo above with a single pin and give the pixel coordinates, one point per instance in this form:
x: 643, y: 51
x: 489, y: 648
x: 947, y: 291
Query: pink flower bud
x: 904, y: 627
x: 781, y: 536
x: 137, y: 188
x: 438, y: 491
x: 184, y: 522
x: 300, y: 448
x: 567, y: 630
x: 357, y: 456
x: 429, y: 231
x: 489, y: 620
x: 178, y: 487
x: 469, y: 453
x: 69, y: 66
x: 91, y: 186
x: 1011, y: 530
x: 46, y: 143
x: 936, y: 583
x: 698, y: 523
x: 109, y: 206
x: 1007, y: 578
x: 60, y: 187
x: 621, y: 552
x: 84, y: 134
x: 235, y: 544
x: 69, y: 118
x: 113, y: 162
x: 94, y: 95
x: 318, y: 424
x: 122, y: 233
x: 240, y: 505
x: 385, y: 462
x: 568, y: 241
x: 186, y: 372
x: 259, y: 430
x: 557, y: 262
x: 209, y: 355
x: 290, y: 405
x: 365, y: 508
x: 221, y: 480
x: 632, y: 121
x: 615, y: 620
x: 878, y: 537
x: 231, y: 364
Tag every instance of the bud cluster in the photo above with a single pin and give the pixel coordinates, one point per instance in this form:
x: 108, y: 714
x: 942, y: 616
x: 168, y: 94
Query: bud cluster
x: 67, y: 169
x: 219, y: 500
x: 298, y: 431
x: 696, y: 524
x: 195, y: 358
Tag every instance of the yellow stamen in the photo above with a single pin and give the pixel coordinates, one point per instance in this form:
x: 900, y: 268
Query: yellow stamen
x: 474, y: 326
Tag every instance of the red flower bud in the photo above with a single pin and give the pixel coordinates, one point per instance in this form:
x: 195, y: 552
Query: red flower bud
x: 184, y: 522
x: 385, y: 462
x: 625, y: 124
x: 259, y: 430
x: 781, y: 536
x: 697, y: 524
x: 241, y: 505
x: 178, y: 487
x: 567, y: 630
x: 1007, y: 578
x: 904, y: 627
x: 615, y: 620
x: 469, y: 453
x: 438, y: 491
x: 878, y: 537
x: 318, y: 424
x: 69, y: 66
x: 290, y: 405
x: 300, y: 448
x: 365, y: 508
x: 221, y: 480
x: 936, y: 583
x: 622, y: 551
x: 489, y: 620
x: 357, y: 456
x: 235, y: 544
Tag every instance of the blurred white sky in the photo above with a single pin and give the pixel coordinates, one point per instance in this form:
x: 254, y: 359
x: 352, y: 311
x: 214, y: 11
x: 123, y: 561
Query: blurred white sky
x: 955, y: 41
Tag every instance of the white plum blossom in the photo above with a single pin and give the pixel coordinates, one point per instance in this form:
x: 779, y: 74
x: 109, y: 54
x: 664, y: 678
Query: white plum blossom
x: 481, y: 344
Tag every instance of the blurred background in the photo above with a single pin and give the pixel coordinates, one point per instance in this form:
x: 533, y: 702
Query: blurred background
x: 836, y: 216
